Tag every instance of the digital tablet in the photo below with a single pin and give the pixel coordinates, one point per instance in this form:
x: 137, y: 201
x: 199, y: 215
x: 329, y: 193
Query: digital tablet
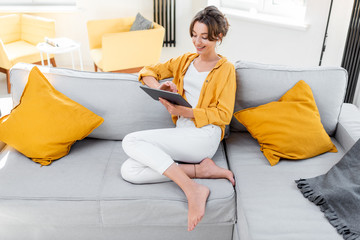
x: 174, y: 98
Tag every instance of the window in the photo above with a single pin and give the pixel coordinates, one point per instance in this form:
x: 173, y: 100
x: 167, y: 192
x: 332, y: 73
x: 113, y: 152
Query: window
x: 290, y: 13
x: 37, y: 2
x: 34, y: 6
x: 289, y: 8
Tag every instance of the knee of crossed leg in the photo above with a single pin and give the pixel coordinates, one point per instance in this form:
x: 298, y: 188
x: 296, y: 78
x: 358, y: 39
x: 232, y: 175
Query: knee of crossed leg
x: 128, y: 141
x: 128, y: 172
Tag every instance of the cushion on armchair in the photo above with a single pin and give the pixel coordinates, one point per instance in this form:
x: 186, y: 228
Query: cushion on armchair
x: 46, y: 123
x: 289, y: 128
x: 141, y: 23
x: 116, y: 46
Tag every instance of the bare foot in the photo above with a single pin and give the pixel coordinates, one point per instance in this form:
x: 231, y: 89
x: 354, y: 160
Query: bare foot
x: 208, y: 169
x: 196, y: 204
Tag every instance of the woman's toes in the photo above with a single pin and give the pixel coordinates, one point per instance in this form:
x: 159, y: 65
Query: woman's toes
x: 196, y: 205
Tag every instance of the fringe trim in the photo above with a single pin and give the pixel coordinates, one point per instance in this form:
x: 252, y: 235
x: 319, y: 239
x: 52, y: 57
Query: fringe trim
x: 330, y: 214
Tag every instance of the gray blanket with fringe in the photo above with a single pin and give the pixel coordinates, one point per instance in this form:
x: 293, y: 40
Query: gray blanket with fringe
x: 337, y: 193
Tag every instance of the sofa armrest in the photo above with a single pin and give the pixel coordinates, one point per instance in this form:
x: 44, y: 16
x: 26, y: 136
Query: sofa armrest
x: 132, y: 49
x: 4, y: 57
x: 34, y: 29
x: 348, y: 127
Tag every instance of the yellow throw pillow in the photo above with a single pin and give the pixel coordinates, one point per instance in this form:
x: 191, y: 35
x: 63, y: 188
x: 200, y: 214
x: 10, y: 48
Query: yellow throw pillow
x: 289, y: 128
x: 46, y: 123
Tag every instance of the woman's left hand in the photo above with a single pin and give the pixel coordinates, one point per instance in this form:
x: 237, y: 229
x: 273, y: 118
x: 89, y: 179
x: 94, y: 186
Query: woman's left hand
x: 177, y: 110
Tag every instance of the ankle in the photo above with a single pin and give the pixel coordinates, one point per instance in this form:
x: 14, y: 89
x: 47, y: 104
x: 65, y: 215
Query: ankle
x: 200, y: 171
x: 190, y: 188
x: 195, y: 176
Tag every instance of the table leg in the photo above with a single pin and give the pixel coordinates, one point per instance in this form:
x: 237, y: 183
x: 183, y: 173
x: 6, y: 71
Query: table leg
x: 72, y: 60
x: 48, y: 59
x: 42, y: 58
x: 80, y: 58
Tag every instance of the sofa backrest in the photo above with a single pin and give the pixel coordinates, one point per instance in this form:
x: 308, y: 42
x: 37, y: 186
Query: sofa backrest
x: 116, y: 97
x: 10, y: 30
x: 259, y: 84
x: 97, y: 28
x: 34, y: 29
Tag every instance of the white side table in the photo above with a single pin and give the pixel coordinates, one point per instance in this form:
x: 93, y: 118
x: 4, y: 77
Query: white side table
x: 65, y: 45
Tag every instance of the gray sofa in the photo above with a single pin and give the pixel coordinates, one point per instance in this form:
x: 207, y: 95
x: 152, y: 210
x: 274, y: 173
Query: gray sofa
x: 82, y: 195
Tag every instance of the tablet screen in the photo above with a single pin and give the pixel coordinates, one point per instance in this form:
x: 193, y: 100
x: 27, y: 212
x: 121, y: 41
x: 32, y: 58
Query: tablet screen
x: 174, y: 98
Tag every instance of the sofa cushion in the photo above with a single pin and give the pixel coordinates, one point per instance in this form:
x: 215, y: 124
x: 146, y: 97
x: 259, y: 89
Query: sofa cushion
x: 22, y: 51
x: 289, y: 128
x: 46, y: 123
x: 122, y: 107
x: 262, y: 83
x: 96, y: 198
x: 97, y: 56
x: 269, y: 204
x: 141, y: 23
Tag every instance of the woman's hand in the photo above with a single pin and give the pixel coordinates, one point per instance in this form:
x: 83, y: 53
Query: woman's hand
x: 177, y: 110
x: 168, y: 86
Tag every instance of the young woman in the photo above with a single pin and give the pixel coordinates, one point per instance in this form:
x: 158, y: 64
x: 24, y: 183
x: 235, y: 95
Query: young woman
x: 207, y: 81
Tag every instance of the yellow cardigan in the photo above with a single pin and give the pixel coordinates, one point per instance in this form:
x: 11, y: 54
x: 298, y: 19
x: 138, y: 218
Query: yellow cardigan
x: 217, y: 96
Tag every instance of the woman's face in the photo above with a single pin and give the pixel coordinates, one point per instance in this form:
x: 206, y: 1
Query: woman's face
x: 200, y: 39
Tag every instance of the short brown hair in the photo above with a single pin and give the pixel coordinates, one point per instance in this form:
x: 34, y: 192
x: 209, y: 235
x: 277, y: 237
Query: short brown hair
x: 215, y: 21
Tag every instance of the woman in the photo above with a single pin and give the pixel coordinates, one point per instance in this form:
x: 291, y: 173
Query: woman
x: 207, y: 81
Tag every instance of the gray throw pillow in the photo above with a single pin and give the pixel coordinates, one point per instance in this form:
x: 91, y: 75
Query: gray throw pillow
x: 141, y: 23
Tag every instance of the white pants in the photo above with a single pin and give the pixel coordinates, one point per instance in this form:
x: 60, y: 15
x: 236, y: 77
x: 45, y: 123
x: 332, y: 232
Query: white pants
x: 151, y: 152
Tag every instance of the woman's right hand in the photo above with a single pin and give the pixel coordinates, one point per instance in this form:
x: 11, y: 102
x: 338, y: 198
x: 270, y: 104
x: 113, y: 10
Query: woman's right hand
x: 153, y: 83
x: 168, y: 86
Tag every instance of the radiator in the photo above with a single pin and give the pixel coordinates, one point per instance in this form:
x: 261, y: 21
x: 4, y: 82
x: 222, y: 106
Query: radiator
x: 164, y: 14
x: 351, y: 58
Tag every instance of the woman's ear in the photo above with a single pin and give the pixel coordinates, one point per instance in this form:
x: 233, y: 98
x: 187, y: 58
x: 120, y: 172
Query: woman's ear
x: 219, y: 38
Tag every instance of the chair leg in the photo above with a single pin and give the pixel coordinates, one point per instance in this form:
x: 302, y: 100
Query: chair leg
x: 8, y: 81
x: 52, y: 60
x: 96, y: 68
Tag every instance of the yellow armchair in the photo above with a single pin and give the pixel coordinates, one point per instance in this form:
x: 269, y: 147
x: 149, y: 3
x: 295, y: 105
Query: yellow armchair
x: 19, y: 35
x: 114, y: 48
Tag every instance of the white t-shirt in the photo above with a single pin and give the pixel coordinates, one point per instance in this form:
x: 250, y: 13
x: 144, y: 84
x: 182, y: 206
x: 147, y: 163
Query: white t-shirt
x: 193, y: 82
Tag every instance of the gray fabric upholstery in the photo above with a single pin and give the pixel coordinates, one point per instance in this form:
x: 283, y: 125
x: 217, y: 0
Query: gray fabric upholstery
x: 82, y: 195
x: 258, y: 84
x: 84, y: 190
x: 141, y: 23
x: 269, y: 204
x: 348, y: 128
x: 121, y: 107
x: 337, y: 193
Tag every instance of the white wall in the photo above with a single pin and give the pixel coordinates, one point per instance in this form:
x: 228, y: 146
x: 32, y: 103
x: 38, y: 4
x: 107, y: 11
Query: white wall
x: 73, y: 24
x: 339, y: 24
x: 246, y: 40
x: 337, y: 32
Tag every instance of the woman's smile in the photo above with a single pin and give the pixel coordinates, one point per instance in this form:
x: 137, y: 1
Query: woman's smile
x: 200, y: 48
x: 200, y: 39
